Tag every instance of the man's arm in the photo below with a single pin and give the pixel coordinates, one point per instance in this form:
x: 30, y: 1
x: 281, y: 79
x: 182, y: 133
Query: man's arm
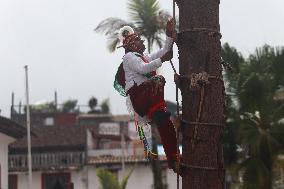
x: 170, y: 32
x: 138, y: 65
x: 167, y: 47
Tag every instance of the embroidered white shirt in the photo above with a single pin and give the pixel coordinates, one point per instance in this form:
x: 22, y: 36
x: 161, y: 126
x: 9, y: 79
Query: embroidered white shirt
x: 135, y: 68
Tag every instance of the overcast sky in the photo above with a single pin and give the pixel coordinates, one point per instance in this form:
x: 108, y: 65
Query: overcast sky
x: 55, y: 39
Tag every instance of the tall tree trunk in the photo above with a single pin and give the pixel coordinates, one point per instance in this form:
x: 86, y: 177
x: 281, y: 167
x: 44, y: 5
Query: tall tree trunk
x: 199, y: 50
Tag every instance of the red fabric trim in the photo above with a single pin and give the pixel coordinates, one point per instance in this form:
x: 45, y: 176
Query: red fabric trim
x: 159, y: 106
x: 145, y: 100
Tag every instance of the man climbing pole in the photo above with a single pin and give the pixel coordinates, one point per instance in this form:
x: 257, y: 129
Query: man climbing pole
x: 137, y: 79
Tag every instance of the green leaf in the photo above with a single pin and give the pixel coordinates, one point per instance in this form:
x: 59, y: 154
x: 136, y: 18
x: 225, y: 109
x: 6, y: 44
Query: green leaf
x: 107, y: 179
x: 125, y: 179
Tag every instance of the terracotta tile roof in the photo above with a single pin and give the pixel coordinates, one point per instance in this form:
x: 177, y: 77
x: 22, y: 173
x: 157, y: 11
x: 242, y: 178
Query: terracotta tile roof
x: 11, y: 128
x: 116, y: 118
x: 53, y: 138
x: 58, y: 138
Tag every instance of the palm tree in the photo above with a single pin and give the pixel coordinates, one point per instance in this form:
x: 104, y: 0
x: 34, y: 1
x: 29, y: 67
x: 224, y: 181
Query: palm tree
x: 261, y: 138
x: 105, y: 106
x: 93, y: 102
x: 109, y: 181
x: 149, y: 21
x: 70, y: 106
x: 231, y: 76
x: 146, y: 18
x: 256, y: 113
x: 260, y: 128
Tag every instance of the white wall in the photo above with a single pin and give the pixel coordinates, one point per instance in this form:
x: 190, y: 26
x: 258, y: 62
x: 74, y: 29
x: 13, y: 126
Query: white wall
x: 4, y: 142
x: 172, y: 179
x: 80, y: 178
x: 93, y: 181
x: 141, y: 178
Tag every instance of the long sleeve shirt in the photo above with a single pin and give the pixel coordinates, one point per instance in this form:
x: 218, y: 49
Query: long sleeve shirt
x: 135, y: 68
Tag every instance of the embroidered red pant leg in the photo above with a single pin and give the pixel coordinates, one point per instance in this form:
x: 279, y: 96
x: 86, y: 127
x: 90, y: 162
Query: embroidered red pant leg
x: 145, y: 101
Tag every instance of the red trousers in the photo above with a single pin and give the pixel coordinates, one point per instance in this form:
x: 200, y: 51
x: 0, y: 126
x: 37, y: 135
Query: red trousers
x: 148, y: 98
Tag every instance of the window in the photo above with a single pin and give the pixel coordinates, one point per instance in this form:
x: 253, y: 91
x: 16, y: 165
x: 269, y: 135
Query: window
x: 56, y: 180
x: 49, y: 121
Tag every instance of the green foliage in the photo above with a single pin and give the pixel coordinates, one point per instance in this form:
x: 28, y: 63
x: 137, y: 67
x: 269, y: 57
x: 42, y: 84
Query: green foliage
x: 93, y: 102
x: 125, y: 179
x: 105, y: 106
x: 69, y: 106
x: 235, y: 59
x: 253, y: 113
x: 109, y: 181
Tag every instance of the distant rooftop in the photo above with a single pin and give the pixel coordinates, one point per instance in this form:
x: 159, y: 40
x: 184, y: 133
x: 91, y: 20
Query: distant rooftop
x: 11, y: 128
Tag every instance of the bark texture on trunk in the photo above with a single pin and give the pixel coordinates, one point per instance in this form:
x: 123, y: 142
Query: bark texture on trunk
x: 200, y: 51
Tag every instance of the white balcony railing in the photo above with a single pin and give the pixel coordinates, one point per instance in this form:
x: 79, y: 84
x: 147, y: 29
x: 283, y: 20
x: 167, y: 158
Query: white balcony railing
x: 116, y: 152
x: 59, y: 160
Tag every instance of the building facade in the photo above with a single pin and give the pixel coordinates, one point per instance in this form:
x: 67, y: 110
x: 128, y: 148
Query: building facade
x: 9, y: 132
x: 68, y: 156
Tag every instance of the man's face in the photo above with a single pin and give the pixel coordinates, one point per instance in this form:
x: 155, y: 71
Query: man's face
x: 137, y: 45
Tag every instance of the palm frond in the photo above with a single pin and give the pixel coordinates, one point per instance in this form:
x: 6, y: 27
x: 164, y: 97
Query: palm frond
x: 110, y: 28
x: 125, y: 179
x: 111, y: 25
x: 144, y: 14
x: 147, y: 19
x: 107, y: 179
x: 112, y: 42
x: 158, y: 40
x: 255, y: 174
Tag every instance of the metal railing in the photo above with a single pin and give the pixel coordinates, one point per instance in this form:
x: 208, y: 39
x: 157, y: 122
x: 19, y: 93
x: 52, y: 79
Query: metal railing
x: 116, y: 152
x: 46, y: 161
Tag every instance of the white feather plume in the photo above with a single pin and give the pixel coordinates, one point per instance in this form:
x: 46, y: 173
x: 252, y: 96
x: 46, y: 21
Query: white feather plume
x: 124, y: 31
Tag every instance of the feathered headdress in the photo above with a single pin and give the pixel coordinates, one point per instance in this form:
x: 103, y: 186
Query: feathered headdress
x: 125, y: 31
x: 126, y: 34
